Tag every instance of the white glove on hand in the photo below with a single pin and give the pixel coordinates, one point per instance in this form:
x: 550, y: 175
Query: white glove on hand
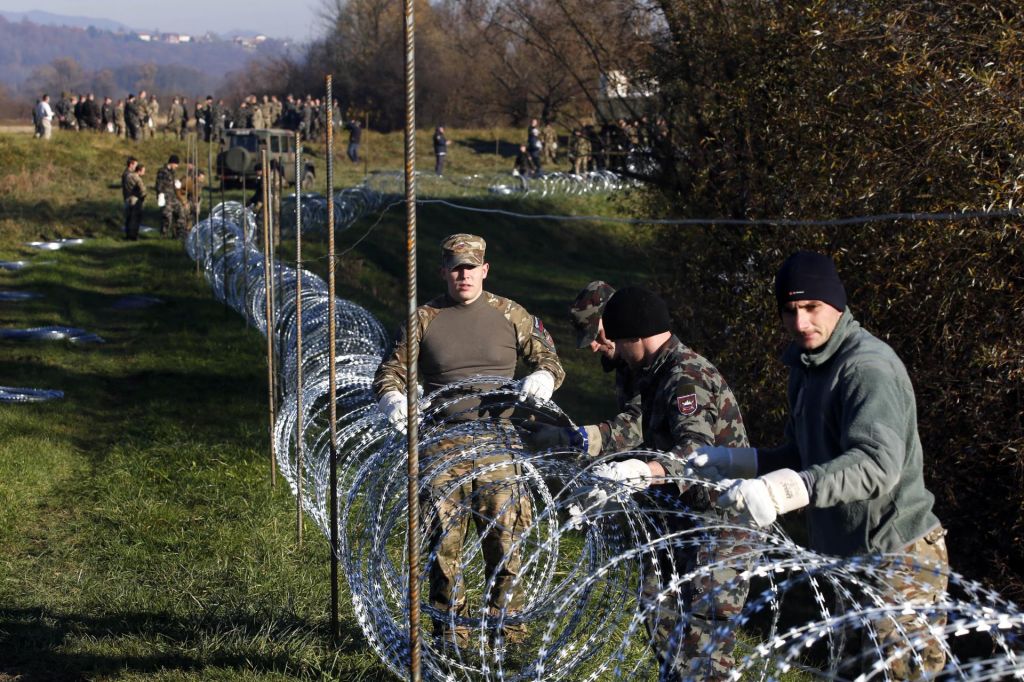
x: 632, y: 473
x: 537, y: 386
x: 395, y: 406
x: 765, y: 497
x: 715, y: 462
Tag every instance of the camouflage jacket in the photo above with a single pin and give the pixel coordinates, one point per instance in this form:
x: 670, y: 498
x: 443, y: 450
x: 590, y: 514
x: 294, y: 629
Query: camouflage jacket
x: 174, y: 113
x: 579, y: 146
x: 533, y: 344
x: 165, y: 184
x: 686, y: 404
x: 134, y: 113
x: 623, y: 431
x: 133, y: 187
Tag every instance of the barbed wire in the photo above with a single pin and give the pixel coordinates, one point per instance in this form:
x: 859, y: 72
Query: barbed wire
x: 607, y: 581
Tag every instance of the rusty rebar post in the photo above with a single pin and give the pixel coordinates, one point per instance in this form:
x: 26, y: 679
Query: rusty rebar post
x: 332, y: 331
x: 299, y: 439
x: 209, y: 186
x: 412, y: 339
x: 245, y: 257
x: 268, y: 281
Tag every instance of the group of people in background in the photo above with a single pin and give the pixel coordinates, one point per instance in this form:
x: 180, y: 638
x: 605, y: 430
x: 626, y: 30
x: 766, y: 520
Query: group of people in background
x: 137, y: 116
x: 619, y: 146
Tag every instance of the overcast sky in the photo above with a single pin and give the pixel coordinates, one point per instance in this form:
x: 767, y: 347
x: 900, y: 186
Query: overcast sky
x: 295, y: 19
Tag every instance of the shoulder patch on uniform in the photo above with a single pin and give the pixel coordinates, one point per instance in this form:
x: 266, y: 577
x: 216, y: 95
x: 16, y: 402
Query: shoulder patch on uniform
x: 686, y: 399
x: 541, y: 333
x: 687, y: 404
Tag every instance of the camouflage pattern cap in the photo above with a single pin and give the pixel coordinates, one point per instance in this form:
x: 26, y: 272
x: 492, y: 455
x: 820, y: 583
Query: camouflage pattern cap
x: 586, y: 311
x: 462, y: 249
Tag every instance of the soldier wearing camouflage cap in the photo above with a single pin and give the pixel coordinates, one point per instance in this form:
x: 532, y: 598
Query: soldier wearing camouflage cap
x: 622, y: 431
x: 469, y: 332
x: 685, y: 404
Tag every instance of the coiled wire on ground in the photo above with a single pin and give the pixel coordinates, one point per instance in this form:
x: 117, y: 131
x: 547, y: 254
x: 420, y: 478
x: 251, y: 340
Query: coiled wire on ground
x: 583, y: 562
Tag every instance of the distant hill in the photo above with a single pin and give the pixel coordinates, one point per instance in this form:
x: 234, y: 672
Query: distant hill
x: 49, y: 19
x: 116, y: 63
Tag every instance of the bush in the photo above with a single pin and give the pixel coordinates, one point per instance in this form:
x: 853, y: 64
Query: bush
x: 842, y: 109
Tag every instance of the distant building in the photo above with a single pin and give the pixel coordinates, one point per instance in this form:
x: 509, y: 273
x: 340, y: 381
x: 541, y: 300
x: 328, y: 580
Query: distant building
x: 144, y: 37
x: 250, y: 42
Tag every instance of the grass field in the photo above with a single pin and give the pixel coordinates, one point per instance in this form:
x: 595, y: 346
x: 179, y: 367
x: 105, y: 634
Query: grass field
x: 140, y: 537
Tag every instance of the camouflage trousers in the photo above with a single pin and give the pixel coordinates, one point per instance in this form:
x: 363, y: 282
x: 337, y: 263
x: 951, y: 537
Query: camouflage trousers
x: 172, y: 219
x: 688, y: 622
x: 482, y: 489
x: 921, y: 579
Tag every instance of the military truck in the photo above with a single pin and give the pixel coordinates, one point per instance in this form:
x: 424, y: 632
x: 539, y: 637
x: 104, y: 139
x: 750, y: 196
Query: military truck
x: 242, y: 155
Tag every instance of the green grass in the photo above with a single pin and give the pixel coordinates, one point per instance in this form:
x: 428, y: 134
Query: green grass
x: 140, y: 537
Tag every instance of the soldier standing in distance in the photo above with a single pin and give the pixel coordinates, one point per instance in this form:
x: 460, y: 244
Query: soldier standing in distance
x: 152, y: 110
x: 126, y: 186
x: 132, y: 118
x: 172, y: 214
x: 107, y: 115
x: 440, y: 150
x: 853, y: 457
x: 467, y: 332
x: 174, y: 114
x: 355, y: 135
x: 549, y: 138
x: 136, y: 197
x: 685, y: 405
x: 119, y: 124
x: 579, y: 152
x: 534, y: 145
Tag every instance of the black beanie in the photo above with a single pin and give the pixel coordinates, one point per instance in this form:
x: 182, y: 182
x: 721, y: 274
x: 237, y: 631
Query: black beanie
x: 809, y: 276
x: 633, y: 313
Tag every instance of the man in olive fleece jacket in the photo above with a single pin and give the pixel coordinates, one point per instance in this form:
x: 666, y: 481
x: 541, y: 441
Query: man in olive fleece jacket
x: 852, y: 456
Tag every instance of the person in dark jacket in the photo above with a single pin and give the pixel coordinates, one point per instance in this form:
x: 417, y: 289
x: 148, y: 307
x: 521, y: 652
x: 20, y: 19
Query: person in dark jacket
x: 852, y: 457
x: 440, y: 149
x: 355, y: 136
x: 524, y: 165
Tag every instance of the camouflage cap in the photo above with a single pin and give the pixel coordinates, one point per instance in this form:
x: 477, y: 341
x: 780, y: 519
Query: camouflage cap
x: 586, y: 311
x: 462, y: 249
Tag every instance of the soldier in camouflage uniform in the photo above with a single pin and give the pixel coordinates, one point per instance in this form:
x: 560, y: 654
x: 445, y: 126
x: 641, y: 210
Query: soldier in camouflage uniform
x: 152, y: 110
x: 622, y: 431
x: 579, y: 152
x: 134, y: 189
x: 173, y: 213
x: 175, y: 112
x: 685, y: 404
x: 500, y: 333
x: 852, y: 456
x: 133, y: 116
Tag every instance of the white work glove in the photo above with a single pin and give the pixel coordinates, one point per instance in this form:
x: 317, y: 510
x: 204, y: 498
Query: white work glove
x: 762, y: 499
x: 715, y: 462
x: 537, y: 387
x: 177, y: 184
x: 633, y: 475
x: 395, y: 406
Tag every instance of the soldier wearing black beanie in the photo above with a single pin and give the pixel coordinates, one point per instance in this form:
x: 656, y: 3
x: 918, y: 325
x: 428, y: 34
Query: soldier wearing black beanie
x: 635, y: 313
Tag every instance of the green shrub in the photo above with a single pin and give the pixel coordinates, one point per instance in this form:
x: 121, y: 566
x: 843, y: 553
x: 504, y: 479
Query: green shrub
x: 842, y: 109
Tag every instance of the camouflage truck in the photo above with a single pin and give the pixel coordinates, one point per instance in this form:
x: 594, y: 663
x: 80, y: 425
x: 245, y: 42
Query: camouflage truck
x: 242, y: 153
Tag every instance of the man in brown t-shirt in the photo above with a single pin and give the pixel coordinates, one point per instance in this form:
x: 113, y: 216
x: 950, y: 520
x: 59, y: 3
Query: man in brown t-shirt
x: 467, y: 332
